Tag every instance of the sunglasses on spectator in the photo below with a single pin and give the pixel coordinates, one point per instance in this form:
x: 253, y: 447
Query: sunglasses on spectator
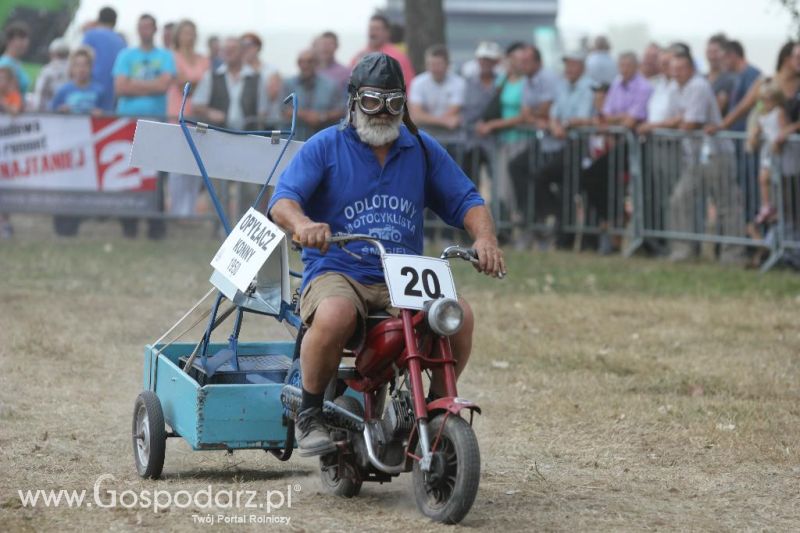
x: 373, y: 102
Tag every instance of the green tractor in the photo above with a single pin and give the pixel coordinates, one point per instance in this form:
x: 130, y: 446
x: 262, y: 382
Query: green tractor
x: 47, y: 19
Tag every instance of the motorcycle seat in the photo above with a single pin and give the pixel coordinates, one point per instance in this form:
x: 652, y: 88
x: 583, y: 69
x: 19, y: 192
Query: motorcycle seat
x: 376, y: 317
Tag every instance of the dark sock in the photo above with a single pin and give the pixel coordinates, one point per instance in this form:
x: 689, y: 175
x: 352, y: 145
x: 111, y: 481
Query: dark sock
x: 311, y: 400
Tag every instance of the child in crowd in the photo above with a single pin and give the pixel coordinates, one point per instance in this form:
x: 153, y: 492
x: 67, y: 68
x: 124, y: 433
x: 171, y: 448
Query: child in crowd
x: 10, y: 102
x: 771, y: 120
x: 79, y: 95
x: 10, y: 98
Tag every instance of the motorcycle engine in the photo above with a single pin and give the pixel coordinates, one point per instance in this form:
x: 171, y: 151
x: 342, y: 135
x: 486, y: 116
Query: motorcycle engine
x: 396, y: 425
x: 398, y: 417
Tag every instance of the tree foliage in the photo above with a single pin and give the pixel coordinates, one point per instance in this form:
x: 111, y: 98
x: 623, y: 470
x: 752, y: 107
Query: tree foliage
x: 794, y: 12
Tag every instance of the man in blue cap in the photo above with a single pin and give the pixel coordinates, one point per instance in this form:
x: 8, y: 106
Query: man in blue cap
x: 372, y: 171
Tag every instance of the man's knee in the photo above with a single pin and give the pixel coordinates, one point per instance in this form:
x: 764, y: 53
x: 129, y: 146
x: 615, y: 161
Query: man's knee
x: 468, y: 324
x: 335, y: 316
x: 463, y: 337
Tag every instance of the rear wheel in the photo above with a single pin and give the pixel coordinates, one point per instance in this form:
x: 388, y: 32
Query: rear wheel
x: 149, y: 435
x: 342, y: 477
x: 446, y: 493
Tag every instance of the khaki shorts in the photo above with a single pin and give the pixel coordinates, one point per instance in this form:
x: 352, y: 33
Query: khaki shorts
x: 365, y: 298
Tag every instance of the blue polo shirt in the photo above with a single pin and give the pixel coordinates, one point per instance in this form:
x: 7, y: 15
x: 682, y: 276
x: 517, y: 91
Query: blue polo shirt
x: 337, y: 179
x: 139, y: 64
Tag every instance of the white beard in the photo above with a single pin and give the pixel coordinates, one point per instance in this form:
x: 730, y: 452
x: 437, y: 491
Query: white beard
x: 377, y: 130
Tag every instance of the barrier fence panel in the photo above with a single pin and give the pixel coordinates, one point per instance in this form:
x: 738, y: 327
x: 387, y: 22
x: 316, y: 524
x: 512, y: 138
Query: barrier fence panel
x: 784, y: 236
x: 525, y: 166
x: 597, y: 185
x: 699, y: 188
x: 580, y: 184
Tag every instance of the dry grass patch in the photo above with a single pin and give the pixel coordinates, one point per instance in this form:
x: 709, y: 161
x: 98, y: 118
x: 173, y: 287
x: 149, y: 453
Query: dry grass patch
x: 617, y: 394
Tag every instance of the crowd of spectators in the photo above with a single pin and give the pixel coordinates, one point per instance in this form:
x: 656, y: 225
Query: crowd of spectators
x: 488, y: 105
x: 507, y: 94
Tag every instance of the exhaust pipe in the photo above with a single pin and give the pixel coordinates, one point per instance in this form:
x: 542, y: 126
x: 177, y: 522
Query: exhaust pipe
x: 332, y: 414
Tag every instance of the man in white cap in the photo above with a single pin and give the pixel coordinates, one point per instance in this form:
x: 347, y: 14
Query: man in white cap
x: 479, y: 91
x: 53, y: 75
x: 543, y: 175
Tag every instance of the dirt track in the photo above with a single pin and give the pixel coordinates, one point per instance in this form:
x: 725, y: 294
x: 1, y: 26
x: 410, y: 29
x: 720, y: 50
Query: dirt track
x: 603, y: 409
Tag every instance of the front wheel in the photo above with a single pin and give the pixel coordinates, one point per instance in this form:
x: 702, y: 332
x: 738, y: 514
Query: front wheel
x: 446, y: 493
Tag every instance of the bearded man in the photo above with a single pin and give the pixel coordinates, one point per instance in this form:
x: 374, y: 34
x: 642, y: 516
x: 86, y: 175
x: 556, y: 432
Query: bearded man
x: 372, y: 174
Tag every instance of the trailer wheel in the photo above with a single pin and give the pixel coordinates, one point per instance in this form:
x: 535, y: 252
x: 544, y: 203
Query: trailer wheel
x: 149, y: 435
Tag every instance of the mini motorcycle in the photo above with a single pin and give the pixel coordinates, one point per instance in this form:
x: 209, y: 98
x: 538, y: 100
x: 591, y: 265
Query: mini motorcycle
x: 376, y: 407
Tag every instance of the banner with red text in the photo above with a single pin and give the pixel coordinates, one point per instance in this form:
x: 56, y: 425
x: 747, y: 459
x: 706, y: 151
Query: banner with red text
x: 72, y: 164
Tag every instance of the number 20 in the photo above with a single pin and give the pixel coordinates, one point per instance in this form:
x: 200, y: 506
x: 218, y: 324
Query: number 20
x: 430, y: 283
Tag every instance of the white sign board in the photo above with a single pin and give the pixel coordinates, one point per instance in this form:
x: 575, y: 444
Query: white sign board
x: 244, y: 158
x: 247, y: 248
x: 414, y: 279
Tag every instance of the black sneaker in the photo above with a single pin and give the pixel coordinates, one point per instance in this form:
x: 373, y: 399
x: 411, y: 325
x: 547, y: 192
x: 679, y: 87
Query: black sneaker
x: 313, y: 437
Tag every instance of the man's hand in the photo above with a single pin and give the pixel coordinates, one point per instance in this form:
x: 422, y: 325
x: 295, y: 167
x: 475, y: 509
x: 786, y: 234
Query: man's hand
x: 451, y: 121
x: 711, y: 129
x: 310, y: 117
x: 629, y: 122
x: 216, y: 116
x: 490, y: 257
x: 558, y: 131
x: 274, y: 87
x: 483, y: 128
x: 645, y: 128
x: 312, y: 234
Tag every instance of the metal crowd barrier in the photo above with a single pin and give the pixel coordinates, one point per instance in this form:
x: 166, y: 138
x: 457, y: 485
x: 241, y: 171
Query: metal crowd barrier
x: 679, y: 193
x: 698, y: 188
x: 578, y: 185
x: 784, y: 238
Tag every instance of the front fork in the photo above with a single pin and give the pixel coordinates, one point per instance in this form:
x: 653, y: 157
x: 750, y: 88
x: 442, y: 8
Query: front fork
x: 417, y: 390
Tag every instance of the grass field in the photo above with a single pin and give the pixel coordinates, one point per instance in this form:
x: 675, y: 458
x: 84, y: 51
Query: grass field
x: 617, y: 394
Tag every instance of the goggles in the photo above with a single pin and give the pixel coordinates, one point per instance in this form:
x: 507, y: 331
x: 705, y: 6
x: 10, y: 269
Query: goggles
x: 373, y: 102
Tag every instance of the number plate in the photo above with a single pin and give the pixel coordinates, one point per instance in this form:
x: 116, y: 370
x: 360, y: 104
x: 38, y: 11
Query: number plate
x: 247, y: 248
x: 414, y: 279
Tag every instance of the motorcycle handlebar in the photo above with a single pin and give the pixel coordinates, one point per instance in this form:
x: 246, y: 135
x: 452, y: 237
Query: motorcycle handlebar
x: 467, y: 254
x: 460, y: 252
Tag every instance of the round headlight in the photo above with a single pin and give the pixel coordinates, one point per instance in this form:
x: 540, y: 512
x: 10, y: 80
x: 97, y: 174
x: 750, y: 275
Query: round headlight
x: 445, y: 316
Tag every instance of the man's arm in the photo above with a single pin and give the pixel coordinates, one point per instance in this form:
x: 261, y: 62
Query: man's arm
x: 125, y: 86
x: 491, y: 126
x: 538, y: 115
x: 480, y: 226
x: 742, y: 108
x: 670, y: 123
x: 615, y: 114
x: 290, y: 216
x: 450, y: 119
